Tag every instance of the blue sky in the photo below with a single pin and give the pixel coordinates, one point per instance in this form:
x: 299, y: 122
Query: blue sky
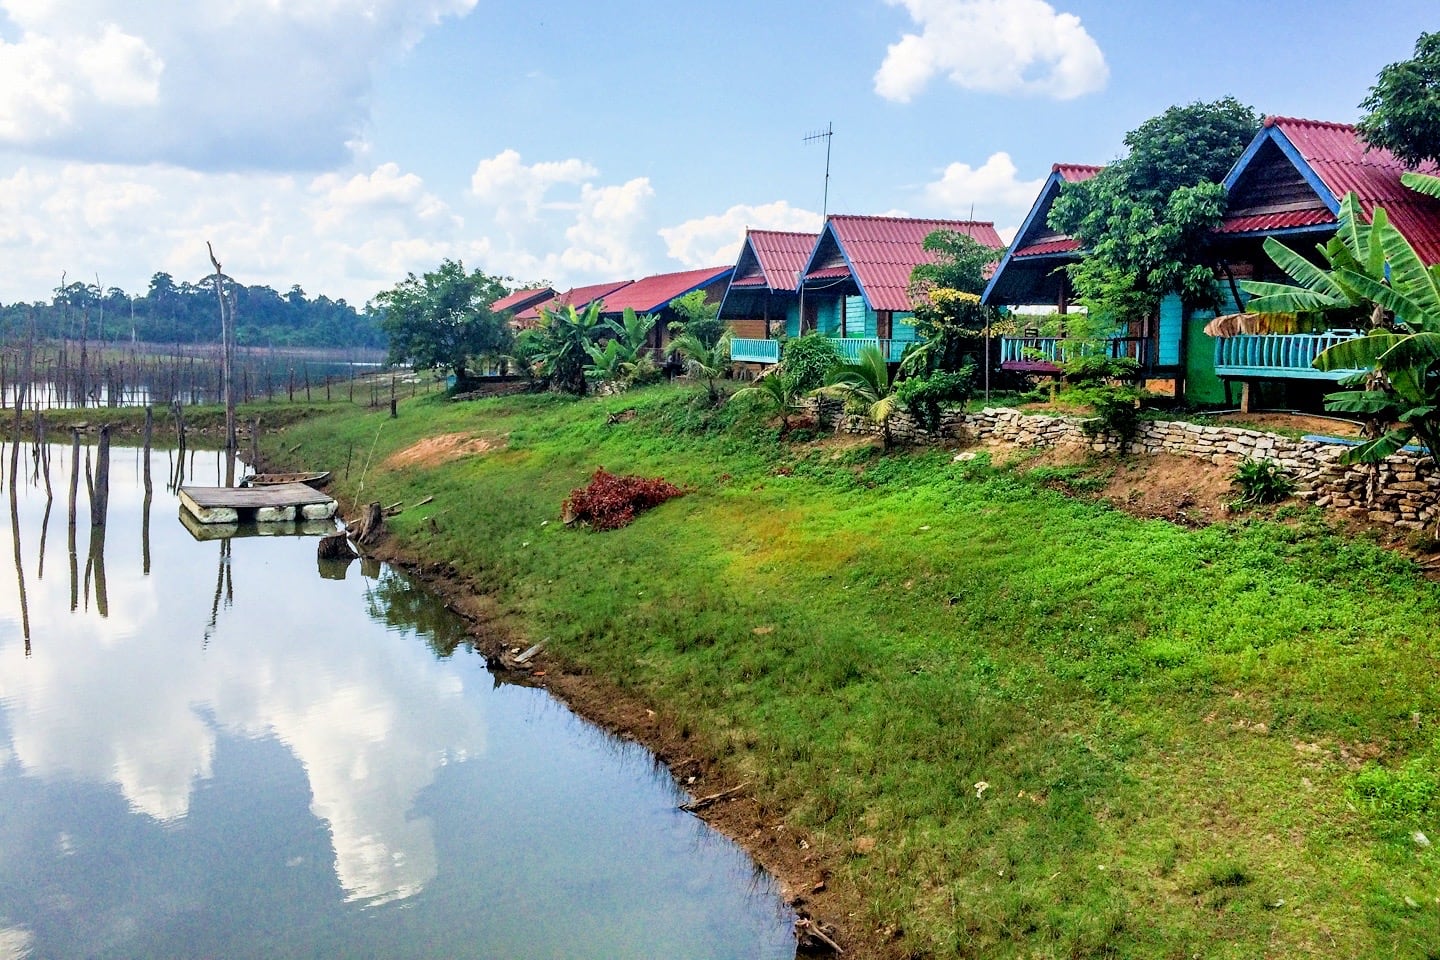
x: 339, y: 143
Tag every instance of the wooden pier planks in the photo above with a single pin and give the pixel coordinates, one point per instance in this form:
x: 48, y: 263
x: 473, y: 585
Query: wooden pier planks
x: 279, y: 503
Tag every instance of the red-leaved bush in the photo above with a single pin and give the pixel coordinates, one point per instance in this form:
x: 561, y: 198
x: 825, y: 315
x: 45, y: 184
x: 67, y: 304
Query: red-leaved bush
x: 608, y: 501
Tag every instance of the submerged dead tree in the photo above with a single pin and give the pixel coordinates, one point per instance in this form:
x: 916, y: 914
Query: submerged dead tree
x: 227, y: 364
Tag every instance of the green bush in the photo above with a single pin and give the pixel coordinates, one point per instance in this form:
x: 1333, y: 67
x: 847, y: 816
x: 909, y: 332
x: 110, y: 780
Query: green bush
x: 809, y: 360
x: 1117, y: 412
x: 922, y: 396
x: 1096, y: 371
x: 1262, y: 481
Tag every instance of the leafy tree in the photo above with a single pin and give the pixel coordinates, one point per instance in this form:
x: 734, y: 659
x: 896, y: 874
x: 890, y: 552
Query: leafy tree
x: 561, y: 344
x: 442, y: 320
x: 699, y: 317
x: 1143, y: 220
x: 868, y: 386
x: 946, y: 297
x: 1403, y: 108
x: 710, y: 361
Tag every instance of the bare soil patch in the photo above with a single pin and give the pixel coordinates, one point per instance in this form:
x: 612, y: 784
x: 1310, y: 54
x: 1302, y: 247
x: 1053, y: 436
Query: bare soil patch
x: 442, y: 449
x: 1291, y: 423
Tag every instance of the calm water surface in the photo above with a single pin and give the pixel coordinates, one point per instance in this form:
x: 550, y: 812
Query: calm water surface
x: 234, y: 753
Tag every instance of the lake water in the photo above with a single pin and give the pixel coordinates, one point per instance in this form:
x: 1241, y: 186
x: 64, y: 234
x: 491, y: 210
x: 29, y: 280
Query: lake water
x: 210, y: 749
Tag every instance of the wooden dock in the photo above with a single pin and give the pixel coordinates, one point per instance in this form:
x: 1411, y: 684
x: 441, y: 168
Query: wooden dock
x: 280, y: 503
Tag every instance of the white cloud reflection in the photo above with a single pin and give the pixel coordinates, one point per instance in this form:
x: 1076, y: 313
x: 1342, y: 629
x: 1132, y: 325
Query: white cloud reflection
x: 138, y: 701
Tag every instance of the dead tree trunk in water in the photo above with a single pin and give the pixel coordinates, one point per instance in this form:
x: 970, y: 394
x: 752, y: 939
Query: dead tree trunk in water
x: 227, y: 365
x: 100, y: 498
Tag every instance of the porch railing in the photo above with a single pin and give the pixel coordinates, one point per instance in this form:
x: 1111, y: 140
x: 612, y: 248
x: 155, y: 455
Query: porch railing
x: 850, y: 348
x: 1283, y: 356
x: 754, y: 351
x: 1048, y: 354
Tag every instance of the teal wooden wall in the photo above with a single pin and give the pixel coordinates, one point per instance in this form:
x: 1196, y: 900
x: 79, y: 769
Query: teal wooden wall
x: 1172, y: 326
x: 792, y: 320
x: 903, y: 327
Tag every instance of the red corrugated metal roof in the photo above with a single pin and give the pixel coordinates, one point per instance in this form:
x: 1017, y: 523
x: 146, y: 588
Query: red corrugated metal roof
x: 578, y: 297
x: 1075, y: 172
x: 522, y: 298
x: 1063, y: 245
x: 1287, y: 220
x: 1340, y: 158
x: 782, y: 256
x: 828, y: 273
x: 652, y: 293
x: 758, y: 280
x: 883, y: 251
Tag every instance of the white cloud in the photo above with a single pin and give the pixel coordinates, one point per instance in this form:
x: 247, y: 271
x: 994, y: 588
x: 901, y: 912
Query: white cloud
x: 343, y: 235
x: 994, y: 184
x: 554, y: 220
x: 236, y: 84
x: 716, y: 239
x: 995, y: 46
x: 346, y: 234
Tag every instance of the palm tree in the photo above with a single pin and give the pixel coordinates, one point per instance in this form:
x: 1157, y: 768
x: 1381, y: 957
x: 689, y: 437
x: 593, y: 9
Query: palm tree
x: 702, y: 360
x: 868, y: 385
x: 779, y: 392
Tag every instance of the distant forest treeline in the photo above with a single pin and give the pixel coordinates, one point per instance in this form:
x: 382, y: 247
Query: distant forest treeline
x: 188, y: 313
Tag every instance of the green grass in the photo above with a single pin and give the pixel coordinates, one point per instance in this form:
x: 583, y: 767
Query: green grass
x: 1210, y: 742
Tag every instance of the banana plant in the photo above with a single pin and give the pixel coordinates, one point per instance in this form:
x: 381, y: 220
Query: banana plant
x: 1374, y: 268
x: 624, y: 358
x: 710, y: 361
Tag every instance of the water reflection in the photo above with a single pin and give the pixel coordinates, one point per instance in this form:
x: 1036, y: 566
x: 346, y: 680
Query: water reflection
x: 287, y: 745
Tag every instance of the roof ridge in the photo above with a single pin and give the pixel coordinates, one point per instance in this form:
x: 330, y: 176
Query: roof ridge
x: 871, y: 216
x: 1272, y: 121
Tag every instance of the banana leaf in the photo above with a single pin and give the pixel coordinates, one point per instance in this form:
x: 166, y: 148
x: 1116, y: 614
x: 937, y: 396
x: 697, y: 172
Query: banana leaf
x: 1425, y: 183
x: 1364, y: 402
x: 1362, y: 353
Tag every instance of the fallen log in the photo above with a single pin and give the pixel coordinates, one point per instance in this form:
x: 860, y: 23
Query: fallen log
x: 814, y: 938
x: 700, y: 803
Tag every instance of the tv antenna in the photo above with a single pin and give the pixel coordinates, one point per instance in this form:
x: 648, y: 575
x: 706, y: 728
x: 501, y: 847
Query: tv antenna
x: 827, y: 135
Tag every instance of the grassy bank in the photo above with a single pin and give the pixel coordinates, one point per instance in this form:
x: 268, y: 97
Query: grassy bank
x: 1014, y: 724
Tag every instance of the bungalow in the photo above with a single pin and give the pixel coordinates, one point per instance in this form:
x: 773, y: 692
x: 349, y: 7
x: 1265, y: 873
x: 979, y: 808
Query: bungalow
x: 855, y: 283
x: 764, y: 290
x: 1287, y: 184
x: 653, y: 295
x: 521, y: 301
x: 577, y: 297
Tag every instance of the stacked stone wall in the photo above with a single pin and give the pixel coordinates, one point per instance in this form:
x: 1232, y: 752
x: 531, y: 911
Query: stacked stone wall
x: 1403, y: 491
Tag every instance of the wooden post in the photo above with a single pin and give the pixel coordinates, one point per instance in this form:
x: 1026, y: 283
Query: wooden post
x: 100, y: 502
x: 149, y: 431
x: 307, y: 382
x: 392, y: 396
x: 1245, y: 396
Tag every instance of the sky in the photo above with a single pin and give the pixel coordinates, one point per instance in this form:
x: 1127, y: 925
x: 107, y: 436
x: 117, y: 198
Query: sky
x: 339, y: 144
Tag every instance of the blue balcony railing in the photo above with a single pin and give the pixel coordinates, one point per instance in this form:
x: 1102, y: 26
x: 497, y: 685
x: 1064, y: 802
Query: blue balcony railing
x: 1282, y: 356
x: 755, y: 351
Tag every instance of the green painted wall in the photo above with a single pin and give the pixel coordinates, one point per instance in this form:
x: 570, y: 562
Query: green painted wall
x: 1201, y: 384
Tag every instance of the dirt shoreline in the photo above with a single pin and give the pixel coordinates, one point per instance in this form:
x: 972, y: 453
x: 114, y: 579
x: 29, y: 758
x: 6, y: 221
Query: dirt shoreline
x: 797, y: 863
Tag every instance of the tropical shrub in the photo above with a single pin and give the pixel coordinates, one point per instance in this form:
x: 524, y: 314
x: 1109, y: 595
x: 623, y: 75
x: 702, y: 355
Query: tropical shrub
x: 778, y: 393
x: 809, y: 360
x: 625, y: 359
x: 699, y: 317
x: 560, y: 348
x: 708, y: 361
x: 922, y: 396
x: 866, y: 386
x: 1261, y: 481
x: 1117, y: 413
x: 609, y: 501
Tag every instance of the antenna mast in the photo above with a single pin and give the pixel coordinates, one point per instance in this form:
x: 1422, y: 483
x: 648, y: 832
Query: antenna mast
x: 827, y: 135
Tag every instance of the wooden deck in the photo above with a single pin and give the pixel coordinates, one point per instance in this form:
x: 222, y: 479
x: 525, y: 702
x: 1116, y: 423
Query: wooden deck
x: 280, y: 503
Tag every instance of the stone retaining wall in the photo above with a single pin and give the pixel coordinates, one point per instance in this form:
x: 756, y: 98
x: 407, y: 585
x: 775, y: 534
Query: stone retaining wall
x: 1401, y: 491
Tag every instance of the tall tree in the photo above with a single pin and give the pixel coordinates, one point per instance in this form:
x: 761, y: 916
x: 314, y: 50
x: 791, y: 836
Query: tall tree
x: 1403, y: 108
x: 1144, y: 219
x: 442, y: 320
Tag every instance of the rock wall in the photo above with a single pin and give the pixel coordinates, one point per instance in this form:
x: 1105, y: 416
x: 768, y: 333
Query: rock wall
x: 1403, y: 491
